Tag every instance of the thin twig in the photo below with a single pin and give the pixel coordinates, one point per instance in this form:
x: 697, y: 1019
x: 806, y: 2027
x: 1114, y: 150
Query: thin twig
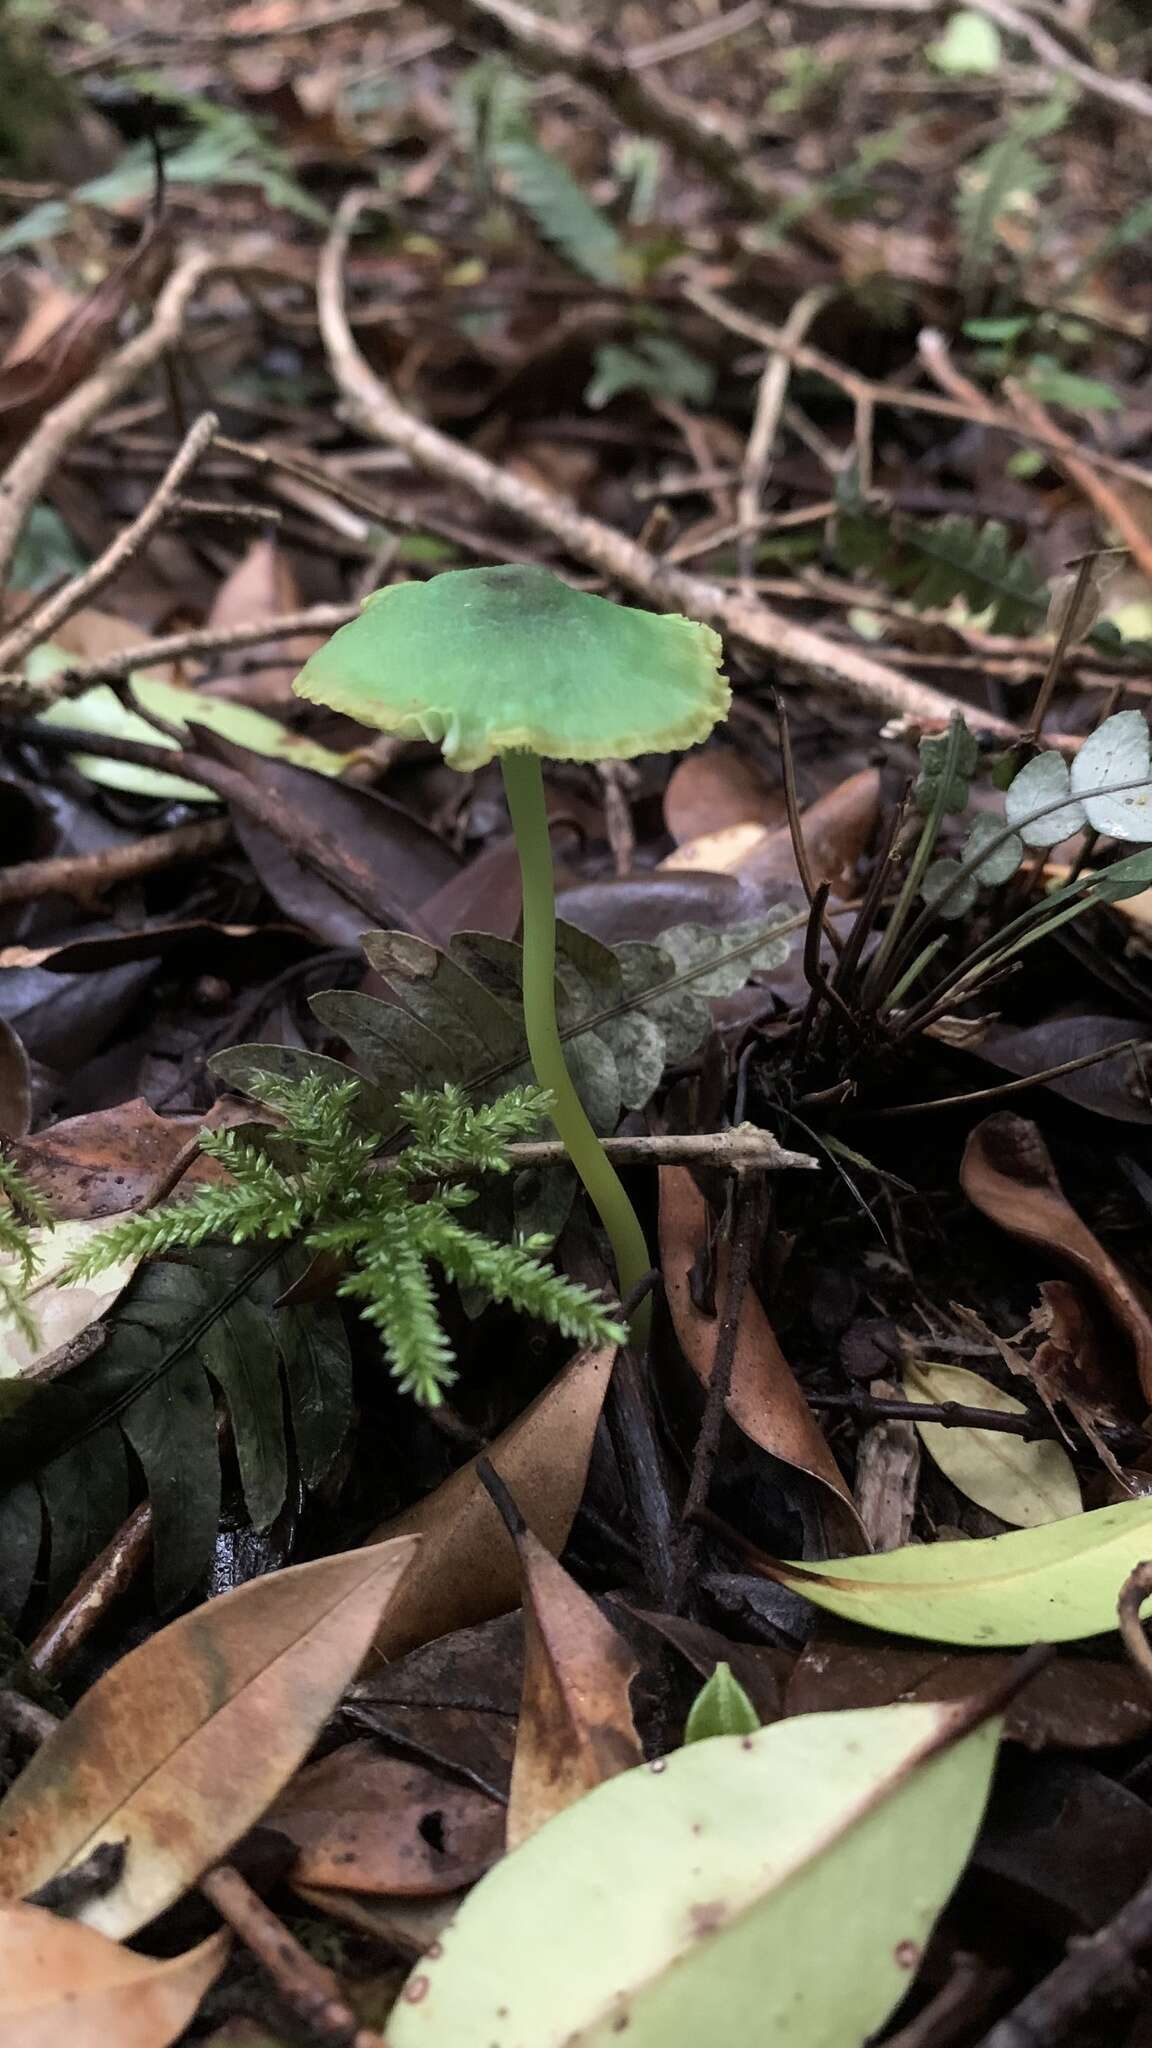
x: 17, y: 691
x: 1128, y: 93
x: 1108, y: 1965
x: 955, y: 1415
x: 108, y: 1576
x: 770, y: 397
x: 85, y: 876
x: 310, y: 1989
x: 702, y: 35
x: 742, y: 1150
x: 25, y: 477
x: 896, y: 397
x: 45, y: 618
x: 380, y: 413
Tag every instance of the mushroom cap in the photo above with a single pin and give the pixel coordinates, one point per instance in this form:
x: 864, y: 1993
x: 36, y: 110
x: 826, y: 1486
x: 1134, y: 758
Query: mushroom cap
x: 487, y: 661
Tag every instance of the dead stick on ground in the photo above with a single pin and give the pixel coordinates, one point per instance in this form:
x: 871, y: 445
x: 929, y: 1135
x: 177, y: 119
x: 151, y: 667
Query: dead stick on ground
x: 380, y: 413
x: 17, y: 692
x: 770, y: 396
x: 1104, y: 498
x: 1129, y: 93
x: 743, y: 1149
x: 107, y: 1577
x: 85, y: 876
x: 26, y: 475
x: 63, y: 604
x: 1108, y: 1965
x: 745, y: 1238
x: 308, y: 1988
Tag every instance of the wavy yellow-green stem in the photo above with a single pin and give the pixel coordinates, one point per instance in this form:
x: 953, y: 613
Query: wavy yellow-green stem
x: 524, y: 785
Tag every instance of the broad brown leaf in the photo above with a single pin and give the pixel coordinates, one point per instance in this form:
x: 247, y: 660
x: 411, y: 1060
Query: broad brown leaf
x: 764, y: 1399
x: 576, y: 1727
x: 712, y: 788
x: 182, y: 1745
x: 835, y: 829
x: 61, y: 1983
x: 15, y: 1085
x: 1008, y: 1173
x: 261, y: 586
x: 367, y: 1822
x: 467, y: 1569
x: 111, y: 1159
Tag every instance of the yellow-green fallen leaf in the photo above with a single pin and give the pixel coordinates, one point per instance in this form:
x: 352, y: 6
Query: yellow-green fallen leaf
x: 1024, y: 1483
x: 676, y: 1904
x: 1052, y: 1585
x: 99, y: 710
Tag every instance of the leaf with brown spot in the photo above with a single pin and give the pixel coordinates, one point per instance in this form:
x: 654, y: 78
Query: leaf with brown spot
x: 181, y: 1746
x: 61, y: 1983
x: 111, y: 1159
x: 367, y: 1822
x: 576, y: 1728
x: 764, y: 1399
x: 1008, y: 1173
x: 467, y: 1570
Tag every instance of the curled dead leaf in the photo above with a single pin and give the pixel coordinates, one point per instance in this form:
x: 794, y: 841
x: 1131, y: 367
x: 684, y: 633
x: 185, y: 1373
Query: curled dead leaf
x: 467, y: 1570
x: 367, y: 1822
x: 576, y: 1727
x: 764, y: 1399
x: 1008, y: 1173
x: 262, y: 586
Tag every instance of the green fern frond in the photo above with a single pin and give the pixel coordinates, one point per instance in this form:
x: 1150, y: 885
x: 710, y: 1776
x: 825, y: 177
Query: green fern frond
x: 315, y: 1177
x: 22, y: 1208
x: 931, y: 564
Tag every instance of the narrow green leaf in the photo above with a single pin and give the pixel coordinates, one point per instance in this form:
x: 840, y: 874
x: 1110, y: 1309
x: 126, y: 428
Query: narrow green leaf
x: 679, y: 1903
x: 1053, y: 1585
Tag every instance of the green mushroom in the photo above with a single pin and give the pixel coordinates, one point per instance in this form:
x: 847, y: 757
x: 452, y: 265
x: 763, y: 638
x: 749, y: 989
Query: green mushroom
x: 511, y: 662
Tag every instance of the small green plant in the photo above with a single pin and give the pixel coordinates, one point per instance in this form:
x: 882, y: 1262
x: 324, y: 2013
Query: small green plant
x: 21, y: 1209
x: 317, y: 1178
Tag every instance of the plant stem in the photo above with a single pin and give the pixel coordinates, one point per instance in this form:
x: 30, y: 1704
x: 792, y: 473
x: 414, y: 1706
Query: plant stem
x: 524, y: 787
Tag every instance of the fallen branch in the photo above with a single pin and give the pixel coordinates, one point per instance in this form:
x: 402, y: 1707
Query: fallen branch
x: 378, y: 411
x: 1128, y: 93
x: 26, y: 476
x: 45, y: 618
x: 744, y: 1149
x: 85, y: 876
x: 1108, y: 1965
x: 17, y: 692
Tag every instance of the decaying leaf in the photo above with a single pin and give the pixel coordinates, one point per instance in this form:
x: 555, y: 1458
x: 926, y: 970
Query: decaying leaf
x: 64, y: 1983
x: 1025, y: 1483
x: 1073, y: 1702
x: 111, y: 1159
x: 467, y: 1568
x: 576, y: 1727
x: 367, y: 1822
x: 1057, y: 1584
x: 1007, y: 1173
x: 835, y: 829
x: 15, y: 1084
x: 713, y: 788
x: 764, y: 1399
x: 59, y: 1313
x: 728, y: 1854
x: 178, y: 1748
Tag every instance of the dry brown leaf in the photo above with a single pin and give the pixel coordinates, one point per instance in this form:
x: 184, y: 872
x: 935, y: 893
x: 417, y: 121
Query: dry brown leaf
x: 49, y: 305
x: 367, y: 1822
x: 65, y: 1986
x: 261, y: 586
x: 576, y: 1727
x: 1008, y: 1174
x: 713, y: 788
x: 112, y: 1159
x: 467, y: 1569
x: 181, y: 1746
x: 40, y: 379
x: 92, y: 635
x: 764, y: 1399
x: 835, y: 829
